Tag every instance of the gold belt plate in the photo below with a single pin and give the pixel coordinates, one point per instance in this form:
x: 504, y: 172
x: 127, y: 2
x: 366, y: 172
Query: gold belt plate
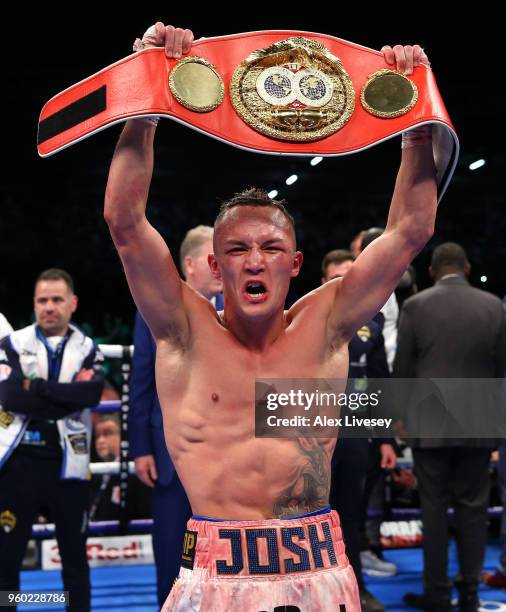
x: 294, y: 90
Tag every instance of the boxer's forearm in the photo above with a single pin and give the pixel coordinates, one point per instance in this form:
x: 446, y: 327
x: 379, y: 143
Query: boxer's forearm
x: 413, y: 209
x: 129, y: 177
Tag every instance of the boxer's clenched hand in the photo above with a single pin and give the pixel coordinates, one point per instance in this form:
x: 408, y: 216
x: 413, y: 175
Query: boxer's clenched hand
x: 177, y: 41
x: 405, y: 58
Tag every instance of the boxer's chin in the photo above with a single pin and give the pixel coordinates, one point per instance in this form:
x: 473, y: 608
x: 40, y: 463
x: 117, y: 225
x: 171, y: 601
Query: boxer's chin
x: 259, y: 309
x: 259, y: 299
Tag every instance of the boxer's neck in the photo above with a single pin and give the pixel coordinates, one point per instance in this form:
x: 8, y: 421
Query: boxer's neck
x: 255, y: 334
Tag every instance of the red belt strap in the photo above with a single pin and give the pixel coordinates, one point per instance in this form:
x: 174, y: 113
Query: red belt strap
x: 138, y: 85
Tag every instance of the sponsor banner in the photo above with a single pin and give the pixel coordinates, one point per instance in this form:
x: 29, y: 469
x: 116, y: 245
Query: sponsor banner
x: 105, y: 551
x: 401, y: 534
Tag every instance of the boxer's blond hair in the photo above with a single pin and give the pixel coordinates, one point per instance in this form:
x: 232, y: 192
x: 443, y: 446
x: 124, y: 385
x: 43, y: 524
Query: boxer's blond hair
x: 192, y: 242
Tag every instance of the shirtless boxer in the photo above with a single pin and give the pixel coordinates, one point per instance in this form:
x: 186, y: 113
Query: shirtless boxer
x: 258, y: 549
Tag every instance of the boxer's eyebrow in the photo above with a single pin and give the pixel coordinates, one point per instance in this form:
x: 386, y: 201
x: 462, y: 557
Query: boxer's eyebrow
x: 266, y: 243
x: 239, y: 243
x: 272, y: 241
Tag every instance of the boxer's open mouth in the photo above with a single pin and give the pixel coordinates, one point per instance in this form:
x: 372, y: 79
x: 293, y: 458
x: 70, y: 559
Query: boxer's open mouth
x: 255, y: 288
x: 255, y: 292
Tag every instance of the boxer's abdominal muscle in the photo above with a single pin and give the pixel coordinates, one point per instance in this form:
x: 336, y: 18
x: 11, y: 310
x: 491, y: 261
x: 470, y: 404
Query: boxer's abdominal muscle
x: 228, y: 473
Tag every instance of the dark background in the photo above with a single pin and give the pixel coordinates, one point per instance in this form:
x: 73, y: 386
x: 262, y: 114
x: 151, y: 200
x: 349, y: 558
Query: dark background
x: 51, y: 208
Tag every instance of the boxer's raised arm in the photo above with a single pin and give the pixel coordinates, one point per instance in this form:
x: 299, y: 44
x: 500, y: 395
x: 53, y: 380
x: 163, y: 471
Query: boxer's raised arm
x: 365, y: 288
x: 363, y: 291
x: 150, y: 270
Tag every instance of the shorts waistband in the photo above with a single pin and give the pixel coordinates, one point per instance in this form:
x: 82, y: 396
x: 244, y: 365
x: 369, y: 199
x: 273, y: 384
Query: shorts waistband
x: 273, y: 547
x: 324, y: 510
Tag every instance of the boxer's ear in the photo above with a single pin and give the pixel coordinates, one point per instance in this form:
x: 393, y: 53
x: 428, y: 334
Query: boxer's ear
x: 213, y: 265
x: 297, y: 264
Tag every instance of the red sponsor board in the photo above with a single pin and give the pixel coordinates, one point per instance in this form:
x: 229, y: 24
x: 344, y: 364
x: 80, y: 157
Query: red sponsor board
x: 401, y: 534
x: 105, y: 551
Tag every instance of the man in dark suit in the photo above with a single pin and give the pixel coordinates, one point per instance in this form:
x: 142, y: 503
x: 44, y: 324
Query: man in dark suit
x: 171, y: 509
x: 451, y: 330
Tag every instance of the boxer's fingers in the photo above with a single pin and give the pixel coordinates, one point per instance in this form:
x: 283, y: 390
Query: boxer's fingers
x: 153, y: 37
x: 408, y: 52
x: 400, y: 58
x: 417, y: 53
x: 177, y: 50
x: 187, y: 40
x: 169, y: 40
x: 419, y: 56
x: 388, y: 54
x: 159, y: 34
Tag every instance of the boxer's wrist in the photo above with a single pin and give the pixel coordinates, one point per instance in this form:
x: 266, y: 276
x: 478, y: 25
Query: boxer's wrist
x: 419, y: 136
x: 150, y: 120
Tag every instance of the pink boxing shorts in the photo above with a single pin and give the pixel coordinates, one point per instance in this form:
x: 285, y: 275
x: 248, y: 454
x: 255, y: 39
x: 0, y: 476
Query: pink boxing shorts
x: 281, y: 565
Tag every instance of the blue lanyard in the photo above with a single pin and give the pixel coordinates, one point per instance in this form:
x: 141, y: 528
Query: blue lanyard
x: 54, y: 357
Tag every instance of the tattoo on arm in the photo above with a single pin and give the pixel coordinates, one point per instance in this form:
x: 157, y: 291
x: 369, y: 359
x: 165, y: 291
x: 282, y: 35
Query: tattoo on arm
x: 309, y: 490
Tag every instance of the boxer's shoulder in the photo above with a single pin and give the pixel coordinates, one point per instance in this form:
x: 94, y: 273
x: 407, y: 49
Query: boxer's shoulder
x: 315, y: 310
x: 318, y: 301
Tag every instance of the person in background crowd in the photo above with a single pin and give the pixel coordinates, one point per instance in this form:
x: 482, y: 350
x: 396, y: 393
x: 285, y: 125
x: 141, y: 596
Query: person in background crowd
x: 50, y: 374
x: 371, y: 555
x: 407, y: 287
x: 106, y: 487
x: 350, y: 458
x: 5, y: 327
x: 451, y: 330
x: 356, y: 244
x: 171, y: 508
x: 389, y: 314
x: 497, y: 579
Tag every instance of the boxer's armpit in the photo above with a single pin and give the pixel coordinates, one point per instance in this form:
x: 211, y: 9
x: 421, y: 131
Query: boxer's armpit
x: 309, y: 490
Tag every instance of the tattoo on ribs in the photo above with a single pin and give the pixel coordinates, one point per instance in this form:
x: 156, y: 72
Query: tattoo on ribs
x: 309, y: 490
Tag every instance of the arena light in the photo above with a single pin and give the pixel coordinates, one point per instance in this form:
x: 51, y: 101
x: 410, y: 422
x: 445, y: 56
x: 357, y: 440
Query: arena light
x: 484, y: 279
x: 477, y: 164
x: 273, y: 193
x: 316, y: 160
x: 291, y: 179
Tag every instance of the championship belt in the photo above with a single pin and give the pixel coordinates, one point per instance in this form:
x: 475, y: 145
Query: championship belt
x: 279, y: 92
